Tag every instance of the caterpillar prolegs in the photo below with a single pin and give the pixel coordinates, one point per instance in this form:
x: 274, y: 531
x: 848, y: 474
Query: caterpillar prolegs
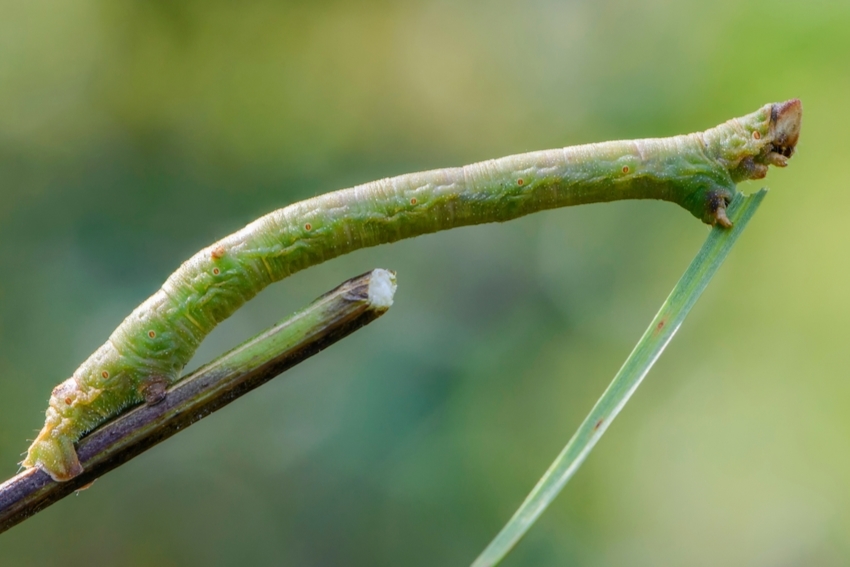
x: 149, y: 349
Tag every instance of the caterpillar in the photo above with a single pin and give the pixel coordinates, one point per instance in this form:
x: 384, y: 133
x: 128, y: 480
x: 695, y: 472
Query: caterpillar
x: 149, y: 349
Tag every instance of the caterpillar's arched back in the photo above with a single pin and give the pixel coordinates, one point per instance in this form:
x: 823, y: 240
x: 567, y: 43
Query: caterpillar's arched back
x: 147, y: 352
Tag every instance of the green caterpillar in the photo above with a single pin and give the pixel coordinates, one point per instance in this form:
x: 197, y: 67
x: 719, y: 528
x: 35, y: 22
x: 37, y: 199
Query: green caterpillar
x: 147, y: 352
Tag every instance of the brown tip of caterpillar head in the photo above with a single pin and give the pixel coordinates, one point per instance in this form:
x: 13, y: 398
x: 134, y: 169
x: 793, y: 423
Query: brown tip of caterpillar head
x: 785, y: 120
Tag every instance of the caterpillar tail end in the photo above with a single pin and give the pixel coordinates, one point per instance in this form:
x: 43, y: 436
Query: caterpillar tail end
x: 53, y: 452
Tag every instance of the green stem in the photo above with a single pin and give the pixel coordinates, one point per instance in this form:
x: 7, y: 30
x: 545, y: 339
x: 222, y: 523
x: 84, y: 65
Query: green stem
x: 332, y: 317
x: 650, y: 346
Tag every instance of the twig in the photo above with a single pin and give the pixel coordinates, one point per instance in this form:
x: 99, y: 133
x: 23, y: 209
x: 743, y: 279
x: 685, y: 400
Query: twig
x: 333, y: 316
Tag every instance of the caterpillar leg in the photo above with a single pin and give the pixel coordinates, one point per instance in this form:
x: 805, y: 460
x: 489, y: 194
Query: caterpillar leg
x: 153, y: 389
x: 721, y: 218
x: 53, y: 450
x: 717, y: 201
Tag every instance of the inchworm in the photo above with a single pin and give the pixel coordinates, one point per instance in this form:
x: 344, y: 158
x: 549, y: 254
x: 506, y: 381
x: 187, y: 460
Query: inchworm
x: 149, y: 349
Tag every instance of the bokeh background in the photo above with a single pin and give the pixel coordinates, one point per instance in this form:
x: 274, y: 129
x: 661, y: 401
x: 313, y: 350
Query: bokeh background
x: 133, y: 133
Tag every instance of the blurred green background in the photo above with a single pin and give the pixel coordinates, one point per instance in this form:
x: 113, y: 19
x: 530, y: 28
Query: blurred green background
x: 133, y: 133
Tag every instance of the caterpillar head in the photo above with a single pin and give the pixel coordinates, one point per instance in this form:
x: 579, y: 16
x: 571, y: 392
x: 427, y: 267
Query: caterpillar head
x: 785, y: 118
x: 745, y: 147
x: 765, y: 137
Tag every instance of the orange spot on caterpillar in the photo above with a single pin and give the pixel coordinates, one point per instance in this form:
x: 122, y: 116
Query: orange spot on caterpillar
x: 598, y: 424
x: 756, y: 135
x: 105, y: 374
x: 660, y: 325
x: 217, y: 253
x: 625, y: 169
x: 520, y: 181
x: 308, y: 226
x: 413, y: 201
x: 216, y: 271
x: 68, y: 401
x: 152, y: 334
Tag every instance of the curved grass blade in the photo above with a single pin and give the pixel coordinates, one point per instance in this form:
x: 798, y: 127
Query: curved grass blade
x: 650, y: 346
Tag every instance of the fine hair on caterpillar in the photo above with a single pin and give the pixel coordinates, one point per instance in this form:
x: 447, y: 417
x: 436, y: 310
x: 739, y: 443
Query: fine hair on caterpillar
x: 148, y: 350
